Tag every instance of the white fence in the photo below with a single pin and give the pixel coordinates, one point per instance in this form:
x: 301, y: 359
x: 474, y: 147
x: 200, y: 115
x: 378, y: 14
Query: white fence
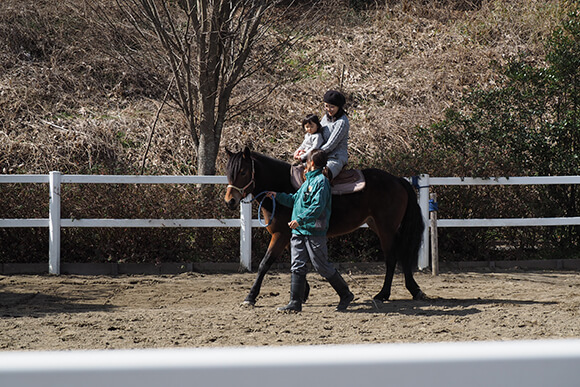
x: 54, y: 221
x: 510, y: 364
x: 245, y: 222
x: 424, y: 182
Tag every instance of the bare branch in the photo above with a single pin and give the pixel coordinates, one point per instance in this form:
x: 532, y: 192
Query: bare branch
x: 208, y: 47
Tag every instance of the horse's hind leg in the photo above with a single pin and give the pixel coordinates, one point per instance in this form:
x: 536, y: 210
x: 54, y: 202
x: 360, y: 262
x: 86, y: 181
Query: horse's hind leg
x: 410, y: 282
x: 385, y: 292
x: 407, y: 251
x: 386, y: 240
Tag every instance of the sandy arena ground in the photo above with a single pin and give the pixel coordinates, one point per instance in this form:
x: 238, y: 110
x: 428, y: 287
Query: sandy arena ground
x: 203, y: 310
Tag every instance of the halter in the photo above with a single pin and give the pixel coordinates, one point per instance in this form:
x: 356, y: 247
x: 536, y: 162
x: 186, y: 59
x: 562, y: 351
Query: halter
x: 242, y: 190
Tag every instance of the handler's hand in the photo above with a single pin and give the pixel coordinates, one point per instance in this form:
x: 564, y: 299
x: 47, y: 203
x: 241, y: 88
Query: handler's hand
x: 271, y: 194
x: 293, y: 225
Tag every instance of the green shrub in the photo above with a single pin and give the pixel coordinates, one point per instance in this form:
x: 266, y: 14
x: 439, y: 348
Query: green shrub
x: 529, y: 125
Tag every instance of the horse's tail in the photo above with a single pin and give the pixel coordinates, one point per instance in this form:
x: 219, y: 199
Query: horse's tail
x: 408, y: 240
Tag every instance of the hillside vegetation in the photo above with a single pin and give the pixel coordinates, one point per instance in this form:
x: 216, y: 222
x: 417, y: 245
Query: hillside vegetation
x: 69, y: 103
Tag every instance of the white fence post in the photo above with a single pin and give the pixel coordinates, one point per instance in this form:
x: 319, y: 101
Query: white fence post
x: 54, y: 223
x: 246, y: 233
x: 434, y: 242
x: 424, y: 204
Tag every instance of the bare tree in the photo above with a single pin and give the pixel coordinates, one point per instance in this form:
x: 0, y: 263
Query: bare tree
x: 206, y: 46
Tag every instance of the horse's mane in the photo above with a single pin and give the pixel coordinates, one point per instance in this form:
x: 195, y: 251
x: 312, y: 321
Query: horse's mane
x: 270, y: 160
x: 235, y: 163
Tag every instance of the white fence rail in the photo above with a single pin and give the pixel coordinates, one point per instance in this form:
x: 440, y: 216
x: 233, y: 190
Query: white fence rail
x: 245, y: 222
x: 55, y: 222
x: 425, y: 182
x: 515, y: 363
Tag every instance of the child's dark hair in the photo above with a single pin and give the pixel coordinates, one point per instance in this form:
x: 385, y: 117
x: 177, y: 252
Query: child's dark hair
x: 312, y: 118
x: 318, y: 157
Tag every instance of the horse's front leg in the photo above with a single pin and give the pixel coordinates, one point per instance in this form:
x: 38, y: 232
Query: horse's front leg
x: 277, y: 245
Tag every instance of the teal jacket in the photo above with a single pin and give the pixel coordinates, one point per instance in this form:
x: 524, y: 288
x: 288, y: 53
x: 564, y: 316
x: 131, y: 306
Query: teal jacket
x: 310, y: 205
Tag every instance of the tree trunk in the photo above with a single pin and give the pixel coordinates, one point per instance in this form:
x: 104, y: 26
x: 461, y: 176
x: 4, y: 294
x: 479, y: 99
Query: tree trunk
x: 207, y: 154
x: 207, y: 151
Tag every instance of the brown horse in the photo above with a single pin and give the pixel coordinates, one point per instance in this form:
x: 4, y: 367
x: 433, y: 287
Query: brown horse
x: 388, y: 204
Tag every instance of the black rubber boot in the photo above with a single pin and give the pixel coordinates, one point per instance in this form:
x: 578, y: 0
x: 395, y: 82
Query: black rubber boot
x: 297, y: 287
x: 306, y: 292
x: 340, y: 286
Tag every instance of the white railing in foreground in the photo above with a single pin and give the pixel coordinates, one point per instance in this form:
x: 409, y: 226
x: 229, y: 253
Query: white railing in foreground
x: 54, y: 221
x: 513, y: 363
x: 424, y: 182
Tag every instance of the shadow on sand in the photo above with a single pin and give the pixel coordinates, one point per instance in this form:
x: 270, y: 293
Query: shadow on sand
x: 38, y: 304
x: 435, y: 306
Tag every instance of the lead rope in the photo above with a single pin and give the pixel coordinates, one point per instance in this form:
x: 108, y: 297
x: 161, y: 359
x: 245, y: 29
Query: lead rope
x: 260, y: 208
x: 363, y: 289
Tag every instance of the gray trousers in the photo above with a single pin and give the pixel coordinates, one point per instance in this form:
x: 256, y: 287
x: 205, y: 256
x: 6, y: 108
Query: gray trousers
x: 335, y: 166
x: 304, y: 248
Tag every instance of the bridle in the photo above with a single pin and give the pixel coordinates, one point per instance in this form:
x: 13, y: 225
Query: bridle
x: 242, y: 190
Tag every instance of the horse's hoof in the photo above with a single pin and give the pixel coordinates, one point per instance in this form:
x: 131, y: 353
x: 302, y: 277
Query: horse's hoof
x: 420, y: 296
x: 380, y: 298
x: 248, y: 304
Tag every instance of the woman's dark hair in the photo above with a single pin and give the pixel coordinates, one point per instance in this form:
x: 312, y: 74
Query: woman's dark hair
x: 337, y: 99
x: 312, y: 118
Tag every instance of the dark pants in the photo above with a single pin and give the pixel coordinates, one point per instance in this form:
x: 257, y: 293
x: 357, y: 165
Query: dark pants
x: 304, y: 248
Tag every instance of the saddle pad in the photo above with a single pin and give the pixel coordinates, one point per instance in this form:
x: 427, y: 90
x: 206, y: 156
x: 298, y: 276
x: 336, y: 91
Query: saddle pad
x: 347, y: 181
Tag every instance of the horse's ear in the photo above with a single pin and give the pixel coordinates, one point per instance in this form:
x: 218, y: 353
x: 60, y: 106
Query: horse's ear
x: 247, y: 153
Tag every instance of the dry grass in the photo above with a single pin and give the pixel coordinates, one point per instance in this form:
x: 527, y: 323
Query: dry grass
x: 66, y: 104
x: 399, y: 70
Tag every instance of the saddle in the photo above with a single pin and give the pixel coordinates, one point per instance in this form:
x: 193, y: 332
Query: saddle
x: 348, y: 180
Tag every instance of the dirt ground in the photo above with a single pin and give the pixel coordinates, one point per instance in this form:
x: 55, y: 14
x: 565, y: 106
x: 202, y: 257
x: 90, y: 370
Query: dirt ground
x: 203, y: 310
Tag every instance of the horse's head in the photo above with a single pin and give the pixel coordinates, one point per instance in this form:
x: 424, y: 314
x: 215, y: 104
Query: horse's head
x: 240, y: 172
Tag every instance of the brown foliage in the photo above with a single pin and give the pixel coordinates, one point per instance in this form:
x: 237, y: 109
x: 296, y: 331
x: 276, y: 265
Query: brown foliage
x: 67, y: 103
